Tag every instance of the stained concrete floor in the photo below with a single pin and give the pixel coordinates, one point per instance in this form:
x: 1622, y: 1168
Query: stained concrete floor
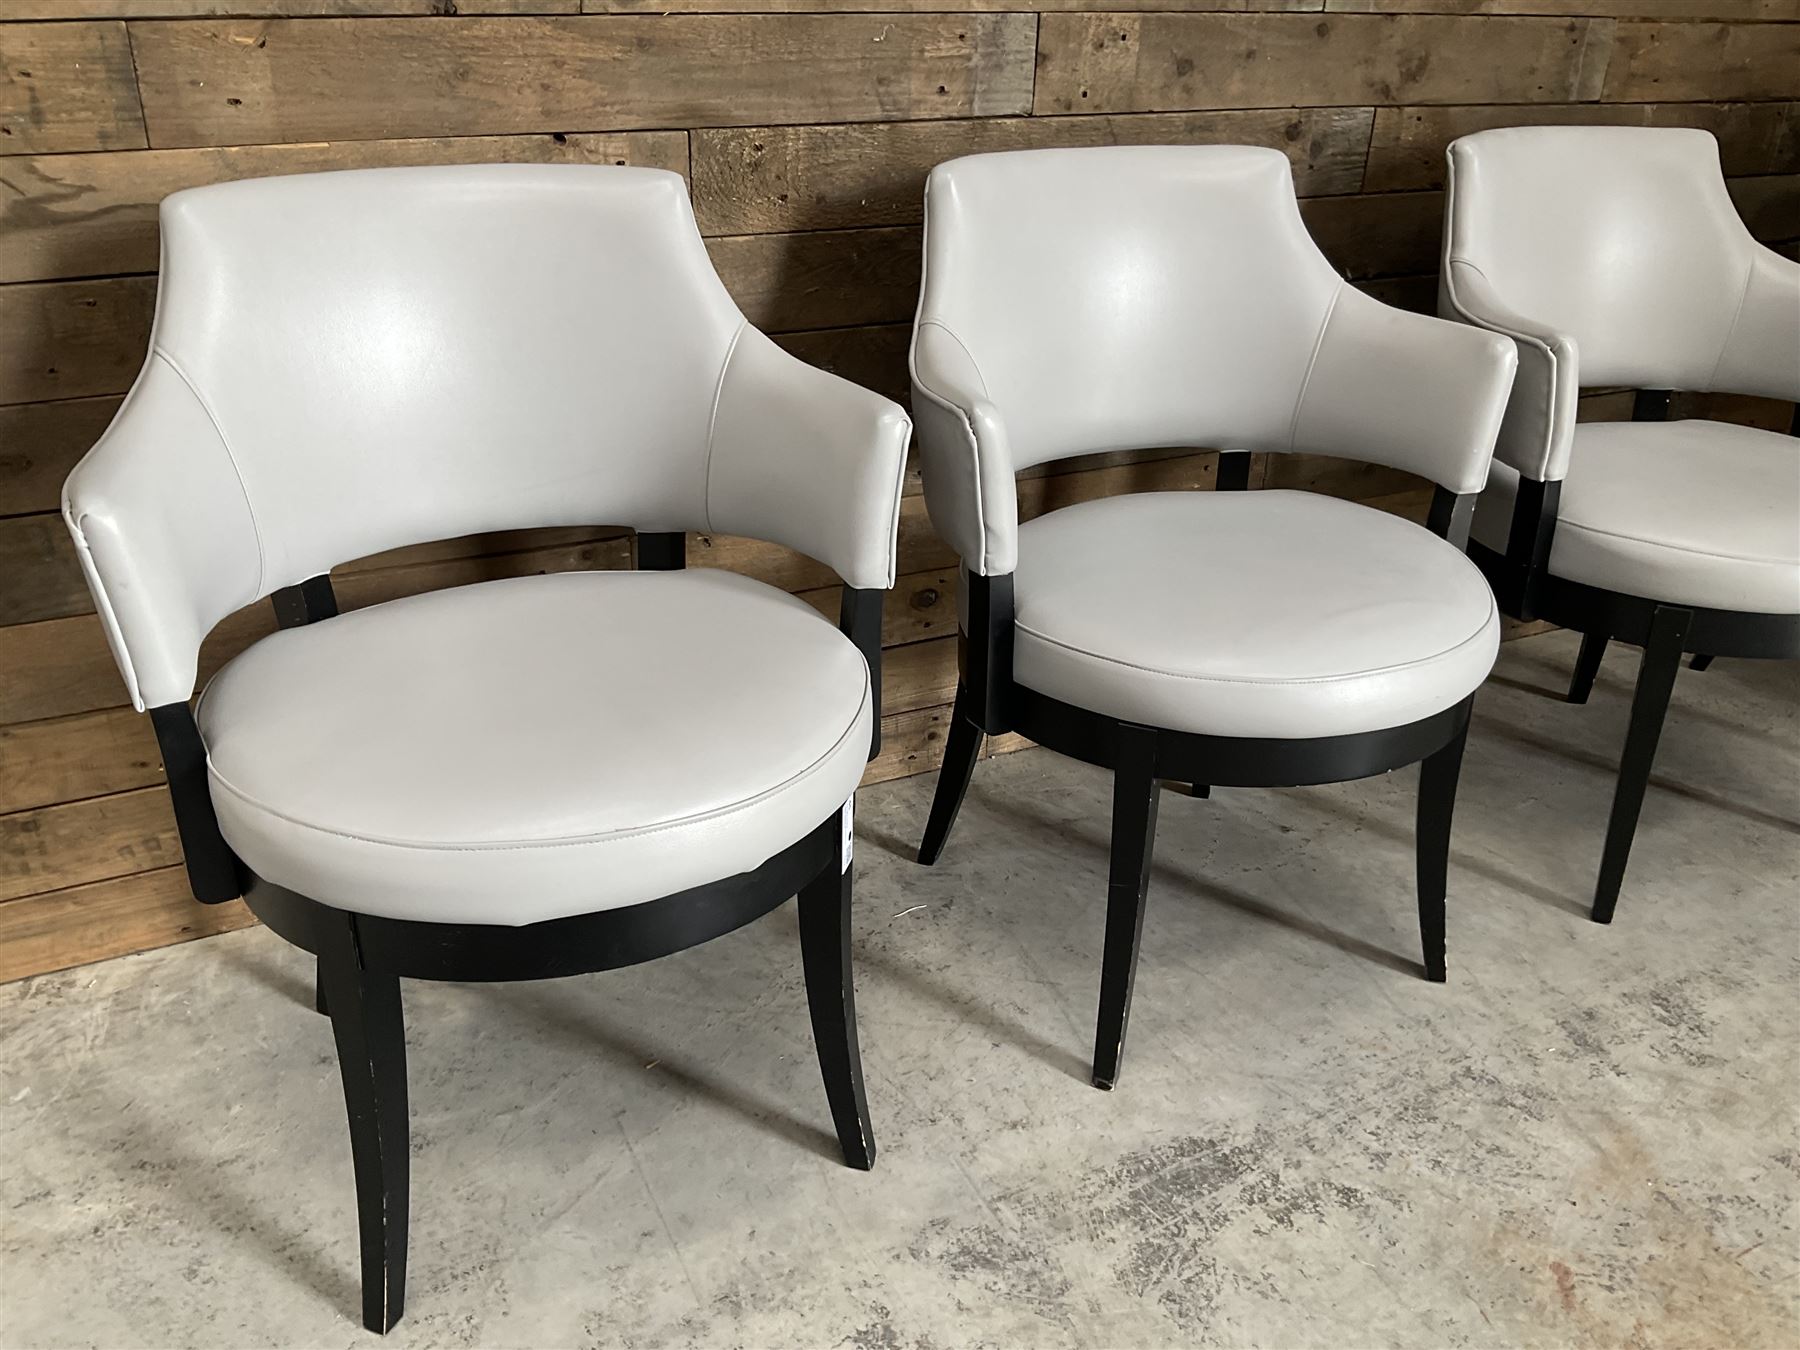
x: 1588, y: 1138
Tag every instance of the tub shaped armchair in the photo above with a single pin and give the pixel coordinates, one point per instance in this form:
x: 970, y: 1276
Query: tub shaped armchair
x: 521, y: 778
x: 1077, y: 301
x: 1614, y: 256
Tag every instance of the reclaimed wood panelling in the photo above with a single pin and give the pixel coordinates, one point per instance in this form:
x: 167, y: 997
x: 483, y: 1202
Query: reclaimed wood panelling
x: 1114, y: 63
x: 95, y: 215
x: 285, y: 9
x: 750, y: 179
x: 108, y: 918
x: 69, y: 758
x: 1619, y: 9
x: 226, y: 83
x: 40, y: 443
x: 1408, y: 147
x: 72, y: 339
x: 1746, y: 61
x: 807, y: 128
x: 67, y: 86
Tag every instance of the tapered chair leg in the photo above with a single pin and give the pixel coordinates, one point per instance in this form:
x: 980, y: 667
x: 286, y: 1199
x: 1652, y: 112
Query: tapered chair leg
x: 1700, y: 662
x: 1135, y: 795
x: 370, y: 1032
x: 319, y: 1004
x: 961, y: 751
x: 1438, y: 776
x: 1587, y: 666
x: 831, y: 995
x: 1655, y: 682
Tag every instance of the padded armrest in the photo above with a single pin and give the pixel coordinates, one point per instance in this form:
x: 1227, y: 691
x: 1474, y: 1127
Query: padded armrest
x: 1406, y: 390
x: 1762, y: 352
x: 158, y: 510
x: 968, y: 467
x: 1539, y: 426
x: 802, y: 458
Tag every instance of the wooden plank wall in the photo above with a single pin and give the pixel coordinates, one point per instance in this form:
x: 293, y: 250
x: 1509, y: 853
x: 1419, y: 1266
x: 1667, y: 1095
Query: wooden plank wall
x: 805, y: 128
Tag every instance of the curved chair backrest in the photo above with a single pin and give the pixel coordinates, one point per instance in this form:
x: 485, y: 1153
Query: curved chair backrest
x: 1623, y: 239
x: 1114, y: 298
x: 347, y: 362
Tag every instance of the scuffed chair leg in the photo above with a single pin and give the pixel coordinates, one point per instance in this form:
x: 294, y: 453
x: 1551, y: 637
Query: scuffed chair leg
x: 961, y: 751
x: 370, y: 1031
x: 1649, y: 705
x: 1700, y: 662
x: 831, y: 995
x: 1587, y: 666
x: 1438, y: 776
x: 1135, y: 795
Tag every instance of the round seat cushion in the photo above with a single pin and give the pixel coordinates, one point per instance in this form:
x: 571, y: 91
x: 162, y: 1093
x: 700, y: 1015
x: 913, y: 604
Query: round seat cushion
x: 1275, y: 614
x: 1688, y: 513
x: 526, y: 749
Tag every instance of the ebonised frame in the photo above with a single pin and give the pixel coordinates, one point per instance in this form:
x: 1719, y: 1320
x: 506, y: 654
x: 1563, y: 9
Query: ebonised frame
x: 989, y: 701
x: 362, y: 958
x: 1526, y: 589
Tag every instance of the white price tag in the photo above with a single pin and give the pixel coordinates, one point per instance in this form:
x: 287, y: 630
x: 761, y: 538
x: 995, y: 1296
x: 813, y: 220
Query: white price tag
x: 848, y: 817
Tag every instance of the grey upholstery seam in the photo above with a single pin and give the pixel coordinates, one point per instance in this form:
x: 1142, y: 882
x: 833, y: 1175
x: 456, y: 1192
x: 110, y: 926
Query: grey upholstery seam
x: 1451, y: 262
x: 1737, y: 317
x: 109, y: 618
x: 974, y: 441
x: 1312, y: 363
x: 1308, y: 680
x: 582, y: 841
x: 712, y: 421
x: 262, y: 557
x: 1674, y: 548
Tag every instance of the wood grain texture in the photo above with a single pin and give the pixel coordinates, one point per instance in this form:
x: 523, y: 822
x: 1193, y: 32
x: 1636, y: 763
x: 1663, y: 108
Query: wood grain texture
x: 44, y: 576
x: 821, y: 279
x: 109, y: 918
x: 925, y: 6
x: 72, y: 339
x: 1620, y: 9
x: 1770, y: 206
x: 40, y: 443
x: 232, y: 83
x: 1107, y: 63
x: 70, y: 758
x: 1748, y: 61
x: 74, y: 843
x: 67, y: 86
x: 754, y: 179
x: 282, y: 9
x: 95, y: 215
x: 1407, y: 149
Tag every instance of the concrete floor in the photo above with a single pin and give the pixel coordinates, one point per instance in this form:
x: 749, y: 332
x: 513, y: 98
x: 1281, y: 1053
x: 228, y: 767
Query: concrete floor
x: 1589, y: 1137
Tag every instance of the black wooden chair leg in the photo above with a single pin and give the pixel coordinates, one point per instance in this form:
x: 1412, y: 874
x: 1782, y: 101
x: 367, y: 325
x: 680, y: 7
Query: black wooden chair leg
x: 1438, y: 776
x: 1587, y: 666
x: 1649, y: 705
x: 825, y: 951
x: 961, y: 751
x: 1135, y: 795
x: 320, y: 1005
x: 1700, y: 662
x: 370, y: 1031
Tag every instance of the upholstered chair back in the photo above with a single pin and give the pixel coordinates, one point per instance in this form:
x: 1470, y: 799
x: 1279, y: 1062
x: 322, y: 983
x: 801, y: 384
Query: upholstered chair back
x: 1120, y: 298
x: 1624, y: 240
x: 343, y: 363
x: 1116, y: 298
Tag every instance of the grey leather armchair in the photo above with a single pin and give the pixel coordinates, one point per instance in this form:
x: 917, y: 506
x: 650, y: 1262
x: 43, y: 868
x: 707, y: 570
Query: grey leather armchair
x: 1091, y: 300
x: 1614, y: 256
x: 522, y: 778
